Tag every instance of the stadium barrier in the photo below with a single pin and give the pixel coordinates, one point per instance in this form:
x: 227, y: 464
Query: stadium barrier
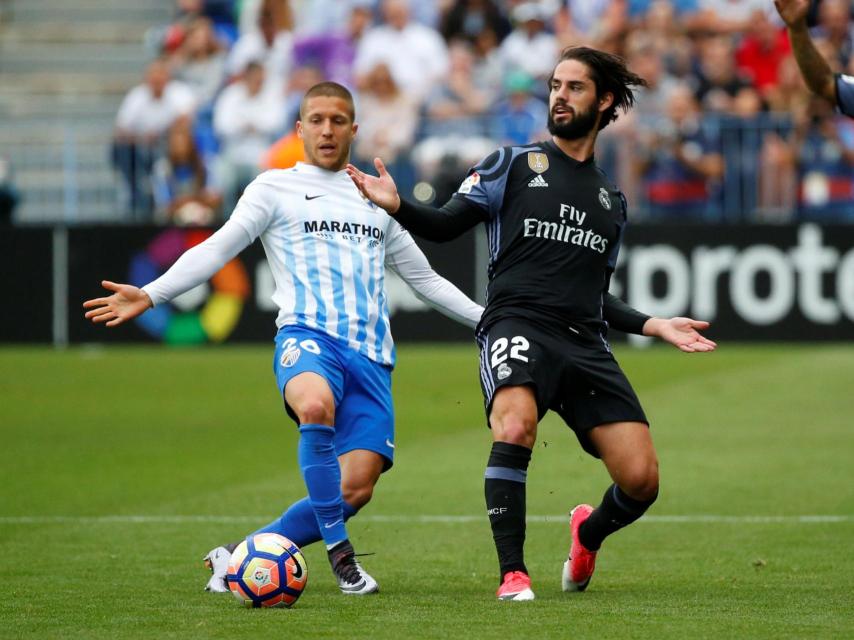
x: 753, y: 282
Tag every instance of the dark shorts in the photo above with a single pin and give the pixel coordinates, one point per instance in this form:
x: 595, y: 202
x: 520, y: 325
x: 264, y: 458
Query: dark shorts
x: 578, y: 379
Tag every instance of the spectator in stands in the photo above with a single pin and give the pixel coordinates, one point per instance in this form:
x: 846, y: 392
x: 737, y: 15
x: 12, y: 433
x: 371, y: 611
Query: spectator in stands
x: 415, y: 54
x: 270, y: 44
x: 320, y: 17
x: 729, y: 16
x: 182, y: 189
x: 682, y: 12
x: 247, y: 116
x: 146, y: 113
x: 200, y: 61
x: 455, y: 116
x: 822, y: 149
x: 219, y: 12
x: 718, y: 79
x: 457, y: 105
x: 645, y: 59
x: 8, y: 194
x: 530, y: 47
x: 467, y: 19
x: 333, y: 52
x: 600, y: 23
x: 285, y: 152
x: 667, y: 29
x: 487, y: 58
x: 680, y: 164
x: 389, y: 118
x: 834, y: 26
x: 518, y: 118
x: 763, y: 47
x: 301, y: 80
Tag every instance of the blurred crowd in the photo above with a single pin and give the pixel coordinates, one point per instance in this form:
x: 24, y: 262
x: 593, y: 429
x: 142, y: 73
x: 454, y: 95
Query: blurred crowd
x: 726, y: 130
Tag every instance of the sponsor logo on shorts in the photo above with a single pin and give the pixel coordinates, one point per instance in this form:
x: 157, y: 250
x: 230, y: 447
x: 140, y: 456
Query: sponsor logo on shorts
x: 290, y: 357
x: 504, y: 371
x: 389, y: 443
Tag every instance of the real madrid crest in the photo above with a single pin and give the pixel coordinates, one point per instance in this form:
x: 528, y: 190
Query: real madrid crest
x: 604, y: 198
x: 538, y: 162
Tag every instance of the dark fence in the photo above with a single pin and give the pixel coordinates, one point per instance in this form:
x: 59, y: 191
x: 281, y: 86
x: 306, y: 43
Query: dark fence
x: 754, y: 282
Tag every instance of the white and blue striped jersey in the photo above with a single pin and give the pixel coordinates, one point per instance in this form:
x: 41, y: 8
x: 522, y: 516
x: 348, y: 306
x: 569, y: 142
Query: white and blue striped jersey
x: 327, y: 248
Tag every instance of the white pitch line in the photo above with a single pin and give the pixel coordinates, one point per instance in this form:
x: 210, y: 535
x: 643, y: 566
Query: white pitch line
x: 422, y: 519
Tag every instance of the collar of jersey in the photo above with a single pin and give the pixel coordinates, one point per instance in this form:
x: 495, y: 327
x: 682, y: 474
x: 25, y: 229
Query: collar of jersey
x: 303, y: 167
x: 559, y: 152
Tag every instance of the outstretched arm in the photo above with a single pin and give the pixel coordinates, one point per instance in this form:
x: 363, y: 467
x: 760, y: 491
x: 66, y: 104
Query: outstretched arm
x: 439, y: 225
x: 681, y: 333
x: 195, y: 266
x: 126, y: 303
x: 410, y: 263
x: 814, y: 68
x: 379, y: 189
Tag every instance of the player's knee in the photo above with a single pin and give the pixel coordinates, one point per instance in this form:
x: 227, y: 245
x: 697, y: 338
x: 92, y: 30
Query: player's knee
x: 357, y: 496
x: 315, y: 411
x: 515, y: 430
x: 641, y: 481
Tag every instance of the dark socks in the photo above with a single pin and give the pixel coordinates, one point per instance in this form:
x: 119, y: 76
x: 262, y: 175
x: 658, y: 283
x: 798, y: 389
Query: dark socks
x: 616, y: 511
x: 504, y: 487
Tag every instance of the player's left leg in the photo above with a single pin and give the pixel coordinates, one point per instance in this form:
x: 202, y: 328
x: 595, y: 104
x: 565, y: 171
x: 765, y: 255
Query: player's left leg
x: 627, y: 450
x: 513, y: 419
x: 360, y: 471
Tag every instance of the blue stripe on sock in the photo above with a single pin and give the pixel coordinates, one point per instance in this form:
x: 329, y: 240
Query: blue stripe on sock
x: 506, y: 473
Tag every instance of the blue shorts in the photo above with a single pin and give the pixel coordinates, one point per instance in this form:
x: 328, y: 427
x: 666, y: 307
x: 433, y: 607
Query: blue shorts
x: 364, y: 415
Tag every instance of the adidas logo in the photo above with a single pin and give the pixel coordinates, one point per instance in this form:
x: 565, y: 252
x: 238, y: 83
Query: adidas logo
x: 538, y: 182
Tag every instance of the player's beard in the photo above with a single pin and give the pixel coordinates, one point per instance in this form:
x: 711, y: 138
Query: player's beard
x: 579, y: 126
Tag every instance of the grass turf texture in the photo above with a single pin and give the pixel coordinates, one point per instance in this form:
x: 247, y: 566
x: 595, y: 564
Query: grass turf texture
x: 747, y: 431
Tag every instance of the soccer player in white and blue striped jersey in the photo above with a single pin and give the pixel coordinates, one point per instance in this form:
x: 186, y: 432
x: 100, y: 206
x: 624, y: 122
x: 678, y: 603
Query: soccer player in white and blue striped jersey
x: 328, y: 248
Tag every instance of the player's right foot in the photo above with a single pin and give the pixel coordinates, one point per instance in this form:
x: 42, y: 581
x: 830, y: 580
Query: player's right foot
x: 217, y: 561
x: 578, y: 568
x: 352, y: 579
x: 515, y: 586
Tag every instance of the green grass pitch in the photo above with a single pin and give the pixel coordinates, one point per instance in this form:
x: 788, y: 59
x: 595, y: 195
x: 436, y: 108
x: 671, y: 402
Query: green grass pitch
x: 195, y: 443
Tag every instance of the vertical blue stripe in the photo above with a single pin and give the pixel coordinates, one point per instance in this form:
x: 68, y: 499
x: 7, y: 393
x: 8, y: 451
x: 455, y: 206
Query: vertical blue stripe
x: 358, y: 254
x: 338, y: 290
x: 299, y: 291
x: 382, y: 316
x: 313, y: 274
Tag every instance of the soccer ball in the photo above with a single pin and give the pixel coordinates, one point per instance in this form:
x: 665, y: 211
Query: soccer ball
x: 267, y: 570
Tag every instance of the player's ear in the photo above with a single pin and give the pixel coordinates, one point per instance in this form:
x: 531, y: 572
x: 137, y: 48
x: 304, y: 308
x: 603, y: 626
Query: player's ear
x: 354, y: 130
x: 606, y: 101
x: 299, y: 129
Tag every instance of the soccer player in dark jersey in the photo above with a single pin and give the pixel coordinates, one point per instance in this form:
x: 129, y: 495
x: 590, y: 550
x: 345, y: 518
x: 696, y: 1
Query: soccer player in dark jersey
x: 837, y: 88
x: 554, y: 224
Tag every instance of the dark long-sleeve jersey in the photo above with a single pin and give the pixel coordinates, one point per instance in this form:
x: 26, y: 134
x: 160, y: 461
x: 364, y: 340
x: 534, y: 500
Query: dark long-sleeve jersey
x: 554, y: 227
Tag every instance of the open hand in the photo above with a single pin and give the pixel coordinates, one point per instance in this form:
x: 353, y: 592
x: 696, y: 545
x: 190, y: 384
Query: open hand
x: 125, y: 304
x: 682, y: 333
x: 380, y: 190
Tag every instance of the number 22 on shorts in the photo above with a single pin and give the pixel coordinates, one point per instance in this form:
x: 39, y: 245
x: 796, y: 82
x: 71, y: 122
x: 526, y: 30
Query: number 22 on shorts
x: 518, y: 346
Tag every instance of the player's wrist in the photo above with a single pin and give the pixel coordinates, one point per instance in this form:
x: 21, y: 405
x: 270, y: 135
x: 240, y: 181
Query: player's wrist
x: 652, y: 327
x: 395, y: 207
